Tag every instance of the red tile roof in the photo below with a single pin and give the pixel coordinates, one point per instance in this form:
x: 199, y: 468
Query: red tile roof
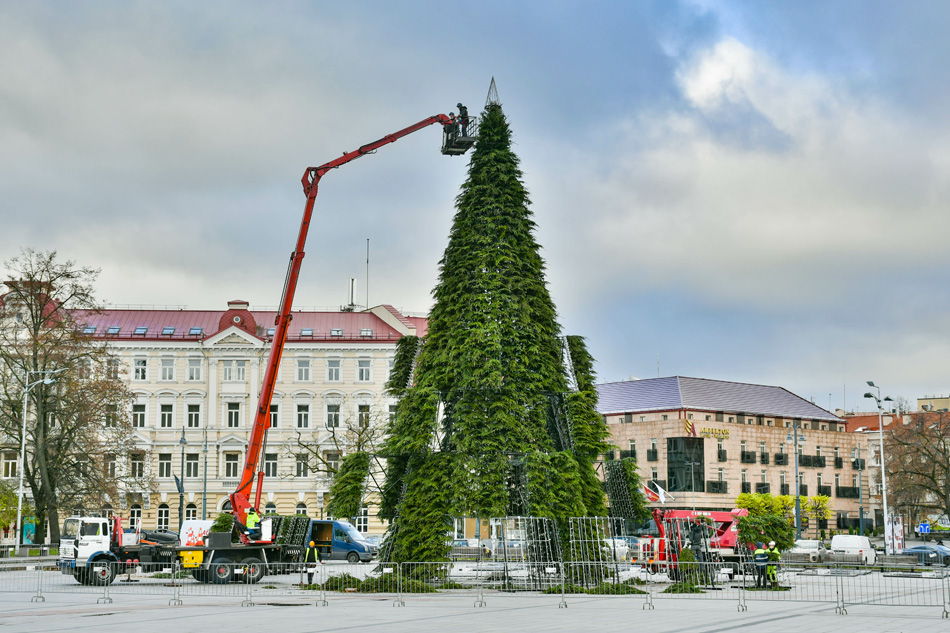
x: 351, y: 324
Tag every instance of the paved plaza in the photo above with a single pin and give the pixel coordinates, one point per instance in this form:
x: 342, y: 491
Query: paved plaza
x: 79, y: 612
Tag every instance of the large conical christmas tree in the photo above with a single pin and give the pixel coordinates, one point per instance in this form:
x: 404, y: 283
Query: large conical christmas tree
x: 491, y: 420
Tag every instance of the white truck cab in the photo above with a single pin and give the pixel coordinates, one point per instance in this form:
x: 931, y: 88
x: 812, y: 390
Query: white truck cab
x: 85, y: 549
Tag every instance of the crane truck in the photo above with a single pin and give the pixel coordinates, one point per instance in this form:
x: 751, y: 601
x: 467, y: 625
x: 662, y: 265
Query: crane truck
x: 91, y: 547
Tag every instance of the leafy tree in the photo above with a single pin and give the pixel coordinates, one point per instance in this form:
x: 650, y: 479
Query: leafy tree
x: 765, y: 528
x: 764, y: 503
x: 818, y: 508
x: 8, y: 504
x: 78, y: 428
x: 918, y: 463
x: 486, y: 424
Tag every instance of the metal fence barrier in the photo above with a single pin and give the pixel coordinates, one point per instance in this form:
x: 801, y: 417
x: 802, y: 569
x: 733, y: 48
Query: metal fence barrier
x: 487, y: 580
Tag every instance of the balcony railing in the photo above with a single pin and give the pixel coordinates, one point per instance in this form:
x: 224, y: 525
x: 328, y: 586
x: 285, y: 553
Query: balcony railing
x: 784, y: 489
x: 820, y: 461
x: 781, y: 459
x: 763, y: 458
x: 723, y: 456
x: 803, y: 490
x: 859, y: 464
x: 717, y: 487
x: 747, y: 457
x: 653, y: 454
x: 825, y: 491
x: 746, y: 486
x: 847, y: 492
x: 632, y: 454
x: 839, y: 462
x: 763, y: 488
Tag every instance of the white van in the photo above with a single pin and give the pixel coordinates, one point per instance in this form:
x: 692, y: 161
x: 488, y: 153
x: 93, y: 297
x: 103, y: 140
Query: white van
x: 854, y: 544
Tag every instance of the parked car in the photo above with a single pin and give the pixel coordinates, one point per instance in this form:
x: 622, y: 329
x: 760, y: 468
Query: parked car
x: 930, y: 554
x: 854, y: 545
x: 816, y: 550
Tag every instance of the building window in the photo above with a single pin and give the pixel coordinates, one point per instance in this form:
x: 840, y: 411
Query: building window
x: 854, y: 481
x: 109, y: 466
x: 163, y: 515
x: 138, y: 415
x: 732, y: 419
x: 721, y: 474
x: 303, y: 416
x: 302, y: 468
x: 9, y: 465
x: 333, y: 416
x: 362, y: 520
x: 763, y: 447
x: 837, y: 453
x: 191, y: 512
x: 233, y: 370
x: 818, y: 452
x: 654, y: 474
x: 274, y: 416
x: 301, y: 509
x: 303, y: 369
x: 392, y: 413
x: 165, y: 466
x: 745, y: 475
x: 362, y: 415
x: 781, y: 478
x: 112, y: 369
x: 333, y: 370
x: 194, y: 369
x: 135, y: 516
x: 166, y: 413
x: 191, y: 465
x: 234, y: 415
x: 231, y: 464
x: 837, y: 481
x: 137, y: 465
x: 168, y: 369
x: 643, y: 418
x: 632, y: 445
x: 363, y: 370
x: 333, y: 460
x: 194, y: 416
x: 270, y: 464
x: 112, y: 415
x: 781, y: 449
x: 270, y: 508
x: 819, y: 480
x: 141, y: 369
x: 652, y: 443
x: 665, y: 417
x: 719, y: 446
x: 742, y: 446
x: 764, y: 477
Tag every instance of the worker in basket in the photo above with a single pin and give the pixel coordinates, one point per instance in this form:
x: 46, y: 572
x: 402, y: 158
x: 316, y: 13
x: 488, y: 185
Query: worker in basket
x: 252, y: 523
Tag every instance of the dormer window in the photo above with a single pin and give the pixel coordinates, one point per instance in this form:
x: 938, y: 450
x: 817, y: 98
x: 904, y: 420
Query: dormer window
x: 168, y: 331
x: 195, y: 331
x: 337, y: 331
x: 89, y: 329
x: 307, y: 331
x: 113, y: 329
x: 140, y: 331
x: 366, y: 332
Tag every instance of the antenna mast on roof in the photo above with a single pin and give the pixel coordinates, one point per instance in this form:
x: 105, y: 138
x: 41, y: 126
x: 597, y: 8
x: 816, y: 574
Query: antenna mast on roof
x: 492, y: 94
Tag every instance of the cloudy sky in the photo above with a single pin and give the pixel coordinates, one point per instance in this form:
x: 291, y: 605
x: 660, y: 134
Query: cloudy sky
x: 738, y: 190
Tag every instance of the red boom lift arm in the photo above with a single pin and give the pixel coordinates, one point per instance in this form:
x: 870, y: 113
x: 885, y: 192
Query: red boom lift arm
x: 240, y: 498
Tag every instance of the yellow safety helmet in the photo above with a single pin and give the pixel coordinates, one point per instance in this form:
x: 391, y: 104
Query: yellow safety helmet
x: 312, y: 544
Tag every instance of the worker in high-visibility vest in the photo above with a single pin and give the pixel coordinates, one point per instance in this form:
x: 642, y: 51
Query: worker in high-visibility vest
x: 312, y: 555
x: 774, y: 557
x: 761, y: 558
x: 253, y: 518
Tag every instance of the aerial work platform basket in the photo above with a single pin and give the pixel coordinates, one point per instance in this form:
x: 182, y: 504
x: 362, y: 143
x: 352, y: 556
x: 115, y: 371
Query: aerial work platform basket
x: 457, y: 137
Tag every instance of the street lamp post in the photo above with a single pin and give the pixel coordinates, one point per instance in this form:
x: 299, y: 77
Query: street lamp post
x: 860, y: 495
x: 798, y: 489
x: 880, y: 420
x: 26, y: 391
x: 181, y: 484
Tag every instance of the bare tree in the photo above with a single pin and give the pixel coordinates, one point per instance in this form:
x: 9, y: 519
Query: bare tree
x: 78, y: 432
x: 918, y: 463
x: 324, y: 449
